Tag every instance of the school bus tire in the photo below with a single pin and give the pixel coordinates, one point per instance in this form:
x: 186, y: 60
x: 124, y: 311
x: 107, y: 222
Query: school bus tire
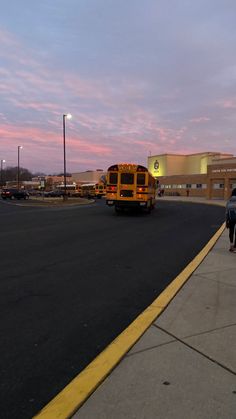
x: 118, y: 210
x: 149, y: 207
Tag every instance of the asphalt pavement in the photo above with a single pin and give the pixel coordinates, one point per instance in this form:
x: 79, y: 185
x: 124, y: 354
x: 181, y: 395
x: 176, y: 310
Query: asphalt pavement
x: 165, y: 357
x: 184, y: 366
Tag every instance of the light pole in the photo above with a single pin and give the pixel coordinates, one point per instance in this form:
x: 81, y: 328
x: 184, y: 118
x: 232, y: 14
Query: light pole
x: 65, y: 116
x: 2, y: 161
x: 18, y: 168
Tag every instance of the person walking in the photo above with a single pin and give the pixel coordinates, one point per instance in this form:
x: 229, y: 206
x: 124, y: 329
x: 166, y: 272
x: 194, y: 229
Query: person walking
x: 230, y: 217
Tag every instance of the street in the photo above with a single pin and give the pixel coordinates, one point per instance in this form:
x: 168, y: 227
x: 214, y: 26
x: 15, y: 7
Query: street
x: 73, y: 278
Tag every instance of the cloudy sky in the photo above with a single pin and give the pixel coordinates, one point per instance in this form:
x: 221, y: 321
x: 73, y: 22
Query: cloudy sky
x: 140, y: 77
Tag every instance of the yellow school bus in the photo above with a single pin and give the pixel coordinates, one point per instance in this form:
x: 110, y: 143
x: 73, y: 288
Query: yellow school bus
x: 129, y: 186
x: 71, y: 189
x: 79, y: 189
x: 100, y: 189
x: 88, y: 190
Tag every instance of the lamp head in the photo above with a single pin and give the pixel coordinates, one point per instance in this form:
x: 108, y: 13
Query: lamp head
x: 69, y: 116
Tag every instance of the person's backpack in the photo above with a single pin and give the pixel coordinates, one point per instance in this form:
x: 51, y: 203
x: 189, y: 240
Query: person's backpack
x: 232, y: 211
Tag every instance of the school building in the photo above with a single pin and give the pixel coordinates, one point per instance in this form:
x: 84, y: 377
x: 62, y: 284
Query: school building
x: 89, y: 176
x: 209, y: 174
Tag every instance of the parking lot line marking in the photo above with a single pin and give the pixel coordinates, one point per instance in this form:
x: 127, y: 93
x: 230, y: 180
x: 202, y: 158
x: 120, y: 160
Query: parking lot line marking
x: 70, y: 399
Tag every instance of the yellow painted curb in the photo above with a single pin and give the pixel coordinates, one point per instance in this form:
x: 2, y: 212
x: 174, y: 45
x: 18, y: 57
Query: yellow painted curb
x: 68, y: 401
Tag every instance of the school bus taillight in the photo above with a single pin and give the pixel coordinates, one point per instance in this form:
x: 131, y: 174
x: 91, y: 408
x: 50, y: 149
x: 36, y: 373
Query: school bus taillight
x: 141, y: 189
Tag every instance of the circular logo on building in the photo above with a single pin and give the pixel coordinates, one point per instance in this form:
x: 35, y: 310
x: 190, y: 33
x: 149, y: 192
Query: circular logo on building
x: 156, y: 165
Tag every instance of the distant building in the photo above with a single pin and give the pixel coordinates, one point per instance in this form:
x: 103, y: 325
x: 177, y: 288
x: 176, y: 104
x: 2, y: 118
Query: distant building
x: 90, y: 176
x: 208, y: 174
x: 51, y: 182
x: 25, y: 184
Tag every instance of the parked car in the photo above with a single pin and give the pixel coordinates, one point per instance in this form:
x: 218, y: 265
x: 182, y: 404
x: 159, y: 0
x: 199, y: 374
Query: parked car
x: 35, y: 192
x: 14, y: 193
x: 53, y: 194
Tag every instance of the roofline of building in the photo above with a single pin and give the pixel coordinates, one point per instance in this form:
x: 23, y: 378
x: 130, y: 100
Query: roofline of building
x: 212, y: 152
x: 226, y: 158
x: 193, y: 154
x: 88, y: 171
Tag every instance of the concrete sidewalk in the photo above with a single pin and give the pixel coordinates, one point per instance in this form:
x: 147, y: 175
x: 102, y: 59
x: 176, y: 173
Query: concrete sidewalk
x: 184, y: 366
x: 194, y: 199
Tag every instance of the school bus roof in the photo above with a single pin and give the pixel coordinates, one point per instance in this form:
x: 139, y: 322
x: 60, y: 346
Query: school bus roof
x: 127, y: 166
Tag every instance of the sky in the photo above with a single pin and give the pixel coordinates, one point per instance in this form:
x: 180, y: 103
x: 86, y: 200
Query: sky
x: 140, y: 78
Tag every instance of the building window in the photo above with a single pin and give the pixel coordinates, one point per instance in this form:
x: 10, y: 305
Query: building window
x: 199, y: 186
x: 204, y: 186
x: 218, y: 186
x: 188, y: 186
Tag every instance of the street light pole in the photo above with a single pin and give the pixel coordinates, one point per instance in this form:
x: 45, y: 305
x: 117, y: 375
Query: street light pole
x: 18, y: 168
x: 2, y: 161
x: 65, y: 116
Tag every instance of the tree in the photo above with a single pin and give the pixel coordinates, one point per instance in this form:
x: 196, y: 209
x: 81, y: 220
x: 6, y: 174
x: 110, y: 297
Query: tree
x: 39, y: 174
x: 62, y: 174
x: 11, y: 173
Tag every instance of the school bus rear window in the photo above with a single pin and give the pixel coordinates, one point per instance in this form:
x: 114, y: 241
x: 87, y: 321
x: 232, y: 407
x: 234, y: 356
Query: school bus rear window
x: 127, y: 178
x: 113, y: 178
x: 141, y: 179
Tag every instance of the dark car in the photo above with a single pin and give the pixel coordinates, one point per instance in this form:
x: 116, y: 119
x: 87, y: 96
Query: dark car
x: 53, y: 194
x: 14, y: 193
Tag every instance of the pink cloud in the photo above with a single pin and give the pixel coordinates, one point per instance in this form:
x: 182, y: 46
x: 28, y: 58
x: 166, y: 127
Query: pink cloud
x: 106, y: 118
x: 7, y: 39
x: 36, y: 105
x: 200, y: 119
x: 28, y: 137
x: 229, y: 104
x: 30, y: 80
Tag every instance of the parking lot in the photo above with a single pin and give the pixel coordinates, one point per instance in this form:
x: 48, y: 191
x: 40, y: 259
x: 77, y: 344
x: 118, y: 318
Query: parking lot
x: 72, y: 278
